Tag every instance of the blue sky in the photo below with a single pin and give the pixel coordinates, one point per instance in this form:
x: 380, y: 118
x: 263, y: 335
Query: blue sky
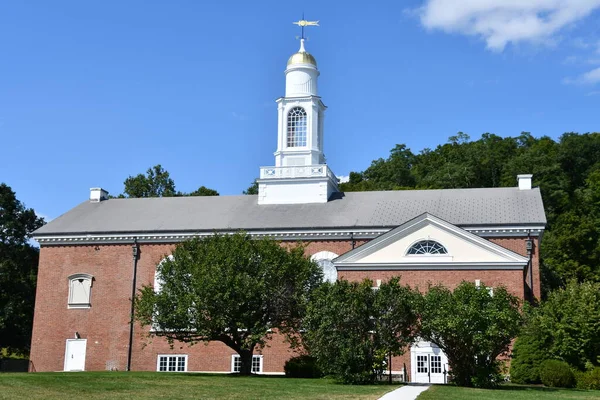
x: 92, y: 92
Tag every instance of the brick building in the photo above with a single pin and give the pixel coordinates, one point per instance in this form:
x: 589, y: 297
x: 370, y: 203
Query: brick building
x: 94, y: 256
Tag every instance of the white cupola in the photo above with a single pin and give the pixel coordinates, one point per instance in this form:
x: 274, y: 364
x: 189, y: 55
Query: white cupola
x: 300, y: 174
x: 301, y: 74
x: 301, y: 113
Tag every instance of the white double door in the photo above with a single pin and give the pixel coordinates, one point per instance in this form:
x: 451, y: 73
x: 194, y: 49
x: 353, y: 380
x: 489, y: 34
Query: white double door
x: 75, y: 354
x: 429, y: 364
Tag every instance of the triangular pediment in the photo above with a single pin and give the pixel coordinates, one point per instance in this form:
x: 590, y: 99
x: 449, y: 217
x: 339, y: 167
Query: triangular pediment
x: 457, y: 248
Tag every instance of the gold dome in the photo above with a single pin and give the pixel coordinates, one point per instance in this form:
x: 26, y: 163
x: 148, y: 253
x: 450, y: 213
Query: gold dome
x: 302, y: 57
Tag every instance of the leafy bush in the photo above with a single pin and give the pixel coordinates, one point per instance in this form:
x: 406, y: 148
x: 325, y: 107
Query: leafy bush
x: 303, y: 366
x: 350, y: 327
x: 567, y: 323
x: 589, y: 379
x: 473, y: 328
x: 556, y: 373
x: 529, y: 353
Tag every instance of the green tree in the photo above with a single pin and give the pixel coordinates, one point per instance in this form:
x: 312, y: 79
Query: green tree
x: 568, y: 324
x: 395, y: 172
x: 529, y: 351
x: 156, y: 183
x: 18, y: 271
x: 203, y: 191
x: 473, y: 327
x: 571, y: 248
x: 351, y: 328
x: 229, y: 288
x: 252, y: 189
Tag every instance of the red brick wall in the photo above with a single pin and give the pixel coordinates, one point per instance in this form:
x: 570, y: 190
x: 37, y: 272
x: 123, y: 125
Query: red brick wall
x: 106, y: 324
x: 518, y: 245
x: 511, y: 279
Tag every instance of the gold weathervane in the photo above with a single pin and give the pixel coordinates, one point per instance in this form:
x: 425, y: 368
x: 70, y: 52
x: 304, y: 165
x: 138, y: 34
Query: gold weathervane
x: 302, y: 23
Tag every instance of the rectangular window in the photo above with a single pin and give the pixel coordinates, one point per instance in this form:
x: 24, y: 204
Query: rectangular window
x: 172, y: 363
x: 422, y: 364
x: 257, y: 363
x: 436, y: 364
x: 80, y: 286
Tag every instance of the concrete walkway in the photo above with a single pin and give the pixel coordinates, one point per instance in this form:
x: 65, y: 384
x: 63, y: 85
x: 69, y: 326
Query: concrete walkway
x: 408, y: 392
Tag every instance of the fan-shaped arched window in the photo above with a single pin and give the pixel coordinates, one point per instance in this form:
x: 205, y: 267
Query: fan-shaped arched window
x: 323, y: 258
x: 297, y: 122
x: 427, y: 247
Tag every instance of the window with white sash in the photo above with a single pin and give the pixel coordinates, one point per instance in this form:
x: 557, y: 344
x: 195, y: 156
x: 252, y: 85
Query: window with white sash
x: 257, y: 363
x: 171, y: 363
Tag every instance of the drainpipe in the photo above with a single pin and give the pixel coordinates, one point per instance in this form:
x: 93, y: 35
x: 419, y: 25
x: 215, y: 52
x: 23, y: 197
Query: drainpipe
x: 352, y: 241
x: 529, y: 247
x: 135, y: 252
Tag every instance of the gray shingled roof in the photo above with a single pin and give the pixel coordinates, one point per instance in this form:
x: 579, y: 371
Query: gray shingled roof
x: 463, y: 207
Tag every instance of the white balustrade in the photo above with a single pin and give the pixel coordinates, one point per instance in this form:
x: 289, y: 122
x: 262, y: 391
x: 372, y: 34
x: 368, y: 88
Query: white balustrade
x: 297, y: 171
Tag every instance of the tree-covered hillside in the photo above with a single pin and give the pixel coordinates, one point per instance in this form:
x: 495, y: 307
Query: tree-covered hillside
x: 567, y: 172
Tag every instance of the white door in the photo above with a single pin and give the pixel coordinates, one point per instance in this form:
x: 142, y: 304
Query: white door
x: 75, y: 355
x: 421, y: 373
x: 429, y: 364
x: 436, y: 369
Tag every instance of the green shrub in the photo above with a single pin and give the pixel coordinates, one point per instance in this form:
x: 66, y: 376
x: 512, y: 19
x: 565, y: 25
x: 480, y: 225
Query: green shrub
x: 589, y: 379
x: 528, y: 355
x: 556, y: 373
x: 303, y: 366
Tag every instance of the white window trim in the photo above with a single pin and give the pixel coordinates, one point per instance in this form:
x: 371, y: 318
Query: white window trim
x: 488, y: 288
x: 157, y: 282
x: 185, y: 356
x: 325, y: 256
x: 446, y: 254
x: 260, y: 356
x: 288, y: 126
x: 78, y: 276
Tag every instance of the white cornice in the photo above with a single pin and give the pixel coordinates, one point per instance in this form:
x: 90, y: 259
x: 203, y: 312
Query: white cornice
x: 430, y: 266
x: 298, y: 234
x: 342, y: 234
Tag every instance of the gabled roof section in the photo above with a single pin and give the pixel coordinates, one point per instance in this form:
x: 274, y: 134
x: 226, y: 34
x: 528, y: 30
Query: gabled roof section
x: 464, y: 249
x: 386, y: 209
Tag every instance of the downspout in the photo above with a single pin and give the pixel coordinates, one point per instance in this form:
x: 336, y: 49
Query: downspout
x: 529, y: 247
x: 135, y: 252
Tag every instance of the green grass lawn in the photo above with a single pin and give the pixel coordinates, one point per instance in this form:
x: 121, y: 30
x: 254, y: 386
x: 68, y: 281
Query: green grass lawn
x: 510, y: 392
x: 144, y: 385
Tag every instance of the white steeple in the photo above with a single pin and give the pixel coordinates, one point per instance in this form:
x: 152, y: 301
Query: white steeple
x: 301, y: 113
x: 300, y: 174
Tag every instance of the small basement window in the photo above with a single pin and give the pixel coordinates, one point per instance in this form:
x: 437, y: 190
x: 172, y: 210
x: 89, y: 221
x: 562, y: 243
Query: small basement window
x: 80, y: 287
x: 257, y: 363
x: 172, y: 363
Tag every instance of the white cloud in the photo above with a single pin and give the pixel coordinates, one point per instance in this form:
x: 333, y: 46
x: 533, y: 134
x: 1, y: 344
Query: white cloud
x: 588, y: 78
x: 591, y: 77
x: 500, y: 22
x: 344, y: 178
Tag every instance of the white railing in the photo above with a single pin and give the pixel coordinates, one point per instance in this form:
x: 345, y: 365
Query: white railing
x: 297, y: 171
